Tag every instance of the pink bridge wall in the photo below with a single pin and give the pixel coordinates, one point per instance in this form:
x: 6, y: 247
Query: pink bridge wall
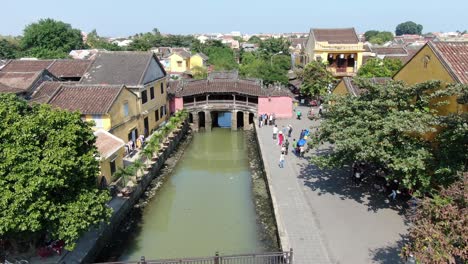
x: 281, y: 106
x: 176, y: 104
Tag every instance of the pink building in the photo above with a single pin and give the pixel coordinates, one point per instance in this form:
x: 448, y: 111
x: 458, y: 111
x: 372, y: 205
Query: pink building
x: 228, y: 101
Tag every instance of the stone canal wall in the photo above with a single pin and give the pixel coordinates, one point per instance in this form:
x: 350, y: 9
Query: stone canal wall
x: 92, y: 242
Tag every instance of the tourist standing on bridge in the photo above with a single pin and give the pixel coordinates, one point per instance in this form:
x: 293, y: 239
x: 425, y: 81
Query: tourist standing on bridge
x: 280, y: 138
x: 281, y: 160
x: 275, y: 132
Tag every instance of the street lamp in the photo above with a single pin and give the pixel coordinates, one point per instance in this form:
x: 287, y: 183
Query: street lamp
x: 271, y: 60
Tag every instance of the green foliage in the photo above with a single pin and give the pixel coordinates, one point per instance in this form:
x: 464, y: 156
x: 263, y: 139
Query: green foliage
x: 264, y: 66
x: 220, y: 56
x: 408, y: 27
x: 49, y: 38
x: 378, y: 37
x: 254, y: 40
x: 8, y: 49
x: 376, y: 67
x: 148, y: 40
x: 315, y: 79
x: 439, y: 233
x: 48, y: 172
x: 384, y: 127
x: 275, y: 45
x: 94, y: 41
x: 199, y: 73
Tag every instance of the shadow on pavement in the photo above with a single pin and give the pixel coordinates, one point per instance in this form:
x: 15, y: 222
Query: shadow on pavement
x: 389, y: 254
x: 338, y: 182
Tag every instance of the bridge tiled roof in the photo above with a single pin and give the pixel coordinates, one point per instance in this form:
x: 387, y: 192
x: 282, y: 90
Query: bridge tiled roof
x: 247, y: 87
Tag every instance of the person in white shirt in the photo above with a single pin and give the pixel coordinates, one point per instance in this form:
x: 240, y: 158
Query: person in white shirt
x: 275, y: 132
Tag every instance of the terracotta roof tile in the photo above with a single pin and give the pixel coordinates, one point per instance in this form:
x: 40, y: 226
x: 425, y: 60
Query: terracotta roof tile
x: 27, y: 65
x: 355, y: 90
x: 454, y: 55
x: 45, y: 91
x: 107, y: 144
x: 17, y: 82
x: 336, y: 35
x: 247, y: 87
x: 69, y: 68
x: 88, y: 99
x: 389, y: 51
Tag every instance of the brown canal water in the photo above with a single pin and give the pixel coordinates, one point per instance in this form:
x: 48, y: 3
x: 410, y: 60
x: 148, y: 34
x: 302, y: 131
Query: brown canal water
x: 205, y: 206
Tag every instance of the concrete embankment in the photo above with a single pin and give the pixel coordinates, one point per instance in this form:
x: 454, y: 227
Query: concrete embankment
x: 92, y: 242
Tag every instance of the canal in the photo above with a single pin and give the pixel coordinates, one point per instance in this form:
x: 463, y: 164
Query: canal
x: 206, y: 205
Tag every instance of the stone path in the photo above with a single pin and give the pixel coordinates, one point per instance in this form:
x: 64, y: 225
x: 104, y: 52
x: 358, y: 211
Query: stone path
x: 321, y: 215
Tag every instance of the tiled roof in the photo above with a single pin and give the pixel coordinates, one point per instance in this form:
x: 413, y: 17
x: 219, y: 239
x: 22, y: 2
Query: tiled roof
x: 184, y: 54
x: 59, y: 68
x: 202, y: 55
x: 389, y: 51
x: 116, y: 68
x: 88, y: 99
x: 298, y: 41
x: 336, y: 35
x: 107, y: 144
x: 17, y: 82
x: 454, y: 55
x: 69, y: 68
x: 234, y: 74
x: 355, y: 90
x: 247, y: 87
x: 45, y: 91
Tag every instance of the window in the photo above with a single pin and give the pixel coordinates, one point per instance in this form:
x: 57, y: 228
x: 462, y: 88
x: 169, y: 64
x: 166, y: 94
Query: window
x: 162, y: 88
x: 161, y: 111
x: 179, y: 63
x: 98, y: 120
x: 112, y: 167
x: 156, y: 115
x: 125, y: 108
x: 165, y: 110
x: 144, y: 97
x: 151, y: 93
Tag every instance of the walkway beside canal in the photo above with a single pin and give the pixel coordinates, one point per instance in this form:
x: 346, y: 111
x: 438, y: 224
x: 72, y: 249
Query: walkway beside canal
x: 321, y: 215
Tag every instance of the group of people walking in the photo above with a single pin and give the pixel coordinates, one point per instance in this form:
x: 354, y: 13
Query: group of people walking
x: 298, y: 147
x: 266, y: 119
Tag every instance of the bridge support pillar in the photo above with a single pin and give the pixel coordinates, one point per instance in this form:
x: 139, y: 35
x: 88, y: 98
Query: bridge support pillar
x: 246, y: 121
x: 234, y: 120
x: 208, y: 121
x: 196, y: 121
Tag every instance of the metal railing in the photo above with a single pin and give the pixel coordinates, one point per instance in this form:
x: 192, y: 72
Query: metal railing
x: 258, y: 258
x: 220, y: 102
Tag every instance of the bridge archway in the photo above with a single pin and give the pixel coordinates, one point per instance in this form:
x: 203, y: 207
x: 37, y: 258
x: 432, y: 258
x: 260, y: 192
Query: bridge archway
x: 190, y: 118
x: 251, y: 118
x: 201, y: 119
x: 240, y: 119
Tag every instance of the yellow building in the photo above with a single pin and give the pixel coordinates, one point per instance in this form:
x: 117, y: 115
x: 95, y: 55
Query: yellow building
x: 198, y: 59
x: 111, y: 153
x: 339, y: 48
x: 143, y: 75
x: 179, y: 62
x: 444, y: 61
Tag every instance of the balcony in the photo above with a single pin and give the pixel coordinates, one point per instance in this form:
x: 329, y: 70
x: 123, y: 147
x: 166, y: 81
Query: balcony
x: 339, y: 47
x: 342, y: 71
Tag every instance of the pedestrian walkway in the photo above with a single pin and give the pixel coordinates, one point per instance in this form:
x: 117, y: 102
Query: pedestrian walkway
x: 321, y: 215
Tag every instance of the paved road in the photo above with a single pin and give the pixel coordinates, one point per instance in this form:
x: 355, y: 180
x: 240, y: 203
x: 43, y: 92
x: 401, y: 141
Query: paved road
x: 325, y: 218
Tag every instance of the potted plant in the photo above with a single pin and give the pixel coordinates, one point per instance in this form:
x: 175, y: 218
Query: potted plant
x: 139, y: 168
x: 148, y: 154
x: 155, y: 148
x: 171, y: 126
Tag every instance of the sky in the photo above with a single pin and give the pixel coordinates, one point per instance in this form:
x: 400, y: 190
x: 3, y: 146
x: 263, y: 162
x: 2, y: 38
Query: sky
x: 119, y: 18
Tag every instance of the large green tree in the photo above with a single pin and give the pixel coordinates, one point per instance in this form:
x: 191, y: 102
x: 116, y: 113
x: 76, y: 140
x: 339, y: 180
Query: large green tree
x: 316, y: 79
x: 408, y: 27
x: 219, y: 55
x: 378, y: 37
x: 94, y: 41
x: 48, y: 171
x: 439, y: 233
x: 272, y: 69
x: 8, y: 49
x: 275, y: 45
x: 376, y: 67
x: 384, y: 127
x: 49, y: 38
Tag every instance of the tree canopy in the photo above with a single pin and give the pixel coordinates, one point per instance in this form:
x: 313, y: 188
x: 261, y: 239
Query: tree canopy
x: 148, y: 40
x: 219, y: 55
x: 408, y: 27
x: 49, y: 38
x: 383, y: 127
x: 48, y: 171
x: 275, y: 45
x: 376, y: 67
x: 378, y: 37
x: 8, y: 49
x: 439, y: 233
x: 94, y: 41
x: 269, y: 69
x: 316, y: 79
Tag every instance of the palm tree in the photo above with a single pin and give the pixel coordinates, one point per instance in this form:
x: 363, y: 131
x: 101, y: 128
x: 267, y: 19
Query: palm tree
x: 139, y: 166
x: 165, y: 129
x: 125, y: 173
x: 148, y: 153
x: 155, y: 147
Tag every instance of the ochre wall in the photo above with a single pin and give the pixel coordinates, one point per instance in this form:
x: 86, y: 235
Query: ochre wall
x: 196, y: 60
x: 281, y: 106
x: 122, y: 125
x: 175, y: 66
x: 340, y: 89
x: 105, y: 166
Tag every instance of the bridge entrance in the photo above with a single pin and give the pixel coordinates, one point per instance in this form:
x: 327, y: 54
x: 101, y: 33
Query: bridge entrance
x: 201, y: 120
x: 240, y: 119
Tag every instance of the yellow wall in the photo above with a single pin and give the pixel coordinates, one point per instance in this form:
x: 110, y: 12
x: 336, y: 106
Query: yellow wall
x: 340, y: 89
x: 151, y: 106
x: 122, y: 125
x: 106, y: 121
x: 174, y: 58
x: 314, y: 49
x: 105, y: 166
x: 418, y: 71
x: 196, y: 60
